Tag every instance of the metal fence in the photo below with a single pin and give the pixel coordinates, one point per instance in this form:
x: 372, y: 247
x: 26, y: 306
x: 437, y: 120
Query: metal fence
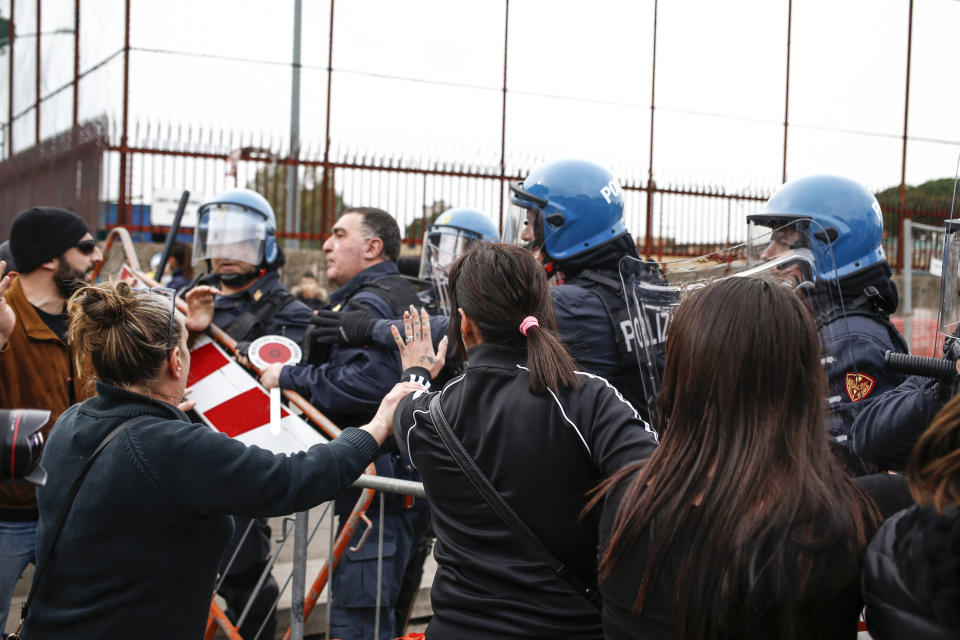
x: 80, y: 170
x: 686, y: 219
x: 95, y: 51
x: 63, y: 171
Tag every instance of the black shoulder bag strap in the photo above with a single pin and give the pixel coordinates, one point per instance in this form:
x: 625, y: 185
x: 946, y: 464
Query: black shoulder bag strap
x: 500, y: 506
x: 41, y: 562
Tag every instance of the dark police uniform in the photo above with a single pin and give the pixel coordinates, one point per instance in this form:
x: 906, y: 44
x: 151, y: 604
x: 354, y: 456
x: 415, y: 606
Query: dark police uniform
x: 266, y: 307
x: 349, y: 388
x: 855, y: 344
x: 290, y: 318
x: 886, y: 431
x: 597, y: 329
x: 543, y: 453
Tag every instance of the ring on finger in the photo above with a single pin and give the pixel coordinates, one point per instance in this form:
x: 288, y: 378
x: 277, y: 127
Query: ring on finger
x: 409, y: 339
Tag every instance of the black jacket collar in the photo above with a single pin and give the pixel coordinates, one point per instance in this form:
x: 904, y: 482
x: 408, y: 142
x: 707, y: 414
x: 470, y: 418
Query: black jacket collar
x: 495, y: 355
x: 113, y: 401
x: 369, y: 274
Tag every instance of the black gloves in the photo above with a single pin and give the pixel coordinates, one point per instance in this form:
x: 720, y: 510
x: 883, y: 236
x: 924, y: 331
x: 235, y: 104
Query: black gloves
x: 353, y: 327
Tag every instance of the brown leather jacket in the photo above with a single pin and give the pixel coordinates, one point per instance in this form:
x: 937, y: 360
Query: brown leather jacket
x: 36, y: 372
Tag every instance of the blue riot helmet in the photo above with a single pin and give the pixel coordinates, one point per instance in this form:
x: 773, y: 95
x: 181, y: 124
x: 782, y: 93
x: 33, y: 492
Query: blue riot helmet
x: 238, y: 224
x: 565, y: 208
x: 847, y: 223
x: 452, y: 232
x: 450, y: 235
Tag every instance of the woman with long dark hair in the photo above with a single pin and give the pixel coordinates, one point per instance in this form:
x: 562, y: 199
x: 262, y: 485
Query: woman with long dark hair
x: 543, y: 434
x: 742, y: 524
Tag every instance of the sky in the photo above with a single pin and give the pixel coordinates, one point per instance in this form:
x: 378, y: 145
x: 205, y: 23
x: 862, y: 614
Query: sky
x: 423, y: 79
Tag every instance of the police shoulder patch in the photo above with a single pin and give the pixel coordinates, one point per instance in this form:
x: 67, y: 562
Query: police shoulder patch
x: 858, y: 385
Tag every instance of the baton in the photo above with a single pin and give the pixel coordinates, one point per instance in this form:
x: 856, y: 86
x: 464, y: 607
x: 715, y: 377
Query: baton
x: 171, y: 236
x: 939, y: 368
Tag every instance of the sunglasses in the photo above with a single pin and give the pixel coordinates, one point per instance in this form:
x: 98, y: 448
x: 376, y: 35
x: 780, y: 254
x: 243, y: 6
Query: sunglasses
x: 173, y: 309
x: 87, y: 247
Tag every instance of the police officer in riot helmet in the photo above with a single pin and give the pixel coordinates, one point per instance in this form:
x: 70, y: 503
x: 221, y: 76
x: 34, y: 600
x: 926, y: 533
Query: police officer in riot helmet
x: 451, y: 233
x: 571, y: 212
x: 846, y: 224
x: 236, y: 236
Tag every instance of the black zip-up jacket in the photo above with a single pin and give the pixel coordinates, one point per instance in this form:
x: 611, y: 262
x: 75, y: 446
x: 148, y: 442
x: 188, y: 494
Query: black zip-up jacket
x: 543, y: 453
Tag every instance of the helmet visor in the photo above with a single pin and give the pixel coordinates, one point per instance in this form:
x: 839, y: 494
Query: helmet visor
x: 441, y: 249
x: 769, y: 241
x: 523, y: 224
x: 230, y: 232
x: 523, y: 227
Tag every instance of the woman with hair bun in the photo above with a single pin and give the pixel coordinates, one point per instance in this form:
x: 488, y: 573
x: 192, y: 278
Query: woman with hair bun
x: 543, y: 433
x: 139, y: 548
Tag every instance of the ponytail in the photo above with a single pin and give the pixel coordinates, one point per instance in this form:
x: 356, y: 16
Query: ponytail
x: 550, y: 365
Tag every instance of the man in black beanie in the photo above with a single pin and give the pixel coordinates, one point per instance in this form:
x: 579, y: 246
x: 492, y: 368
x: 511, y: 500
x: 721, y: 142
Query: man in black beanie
x: 54, y: 251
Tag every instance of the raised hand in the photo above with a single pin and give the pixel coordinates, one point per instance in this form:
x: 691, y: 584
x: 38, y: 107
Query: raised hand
x: 200, y: 307
x: 417, y: 349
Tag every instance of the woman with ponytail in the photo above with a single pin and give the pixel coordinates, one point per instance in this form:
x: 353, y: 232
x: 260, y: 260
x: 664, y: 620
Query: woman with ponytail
x: 137, y: 553
x: 543, y: 434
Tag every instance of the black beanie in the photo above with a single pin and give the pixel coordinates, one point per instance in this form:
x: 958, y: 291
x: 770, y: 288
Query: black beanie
x: 44, y: 233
